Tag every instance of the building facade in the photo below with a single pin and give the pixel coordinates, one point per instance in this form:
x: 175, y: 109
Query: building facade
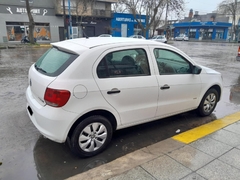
x: 124, y: 25
x: 14, y: 20
x: 94, y: 20
x: 203, y: 30
x: 48, y: 18
x: 211, y: 26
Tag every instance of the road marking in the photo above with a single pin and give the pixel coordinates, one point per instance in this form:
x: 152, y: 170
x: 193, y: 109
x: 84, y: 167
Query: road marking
x: 206, y: 129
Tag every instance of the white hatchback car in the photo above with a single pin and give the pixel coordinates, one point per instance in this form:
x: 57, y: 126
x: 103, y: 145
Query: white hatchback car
x: 182, y: 37
x: 159, y: 38
x: 137, y: 37
x: 82, y: 90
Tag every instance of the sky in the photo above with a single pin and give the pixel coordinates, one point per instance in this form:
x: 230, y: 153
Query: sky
x: 203, y: 6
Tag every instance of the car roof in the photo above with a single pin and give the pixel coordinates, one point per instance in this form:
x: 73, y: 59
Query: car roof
x: 78, y: 45
x: 104, y: 35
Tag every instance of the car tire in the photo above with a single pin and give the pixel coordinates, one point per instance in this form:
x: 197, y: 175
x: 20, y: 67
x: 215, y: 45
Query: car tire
x: 91, y: 136
x: 208, y: 102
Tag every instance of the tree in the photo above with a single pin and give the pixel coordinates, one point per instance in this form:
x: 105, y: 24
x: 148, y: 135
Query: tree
x: 175, y: 7
x: 230, y: 7
x: 150, y: 8
x: 65, y: 22
x: 119, y: 7
x: 31, y: 23
x: 157, y: 20
x: 82, y: 7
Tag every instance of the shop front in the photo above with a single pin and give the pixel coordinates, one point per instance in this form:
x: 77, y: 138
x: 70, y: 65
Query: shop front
x: 203, y: 30
x: 91, y: 26
x: 125, y: 25
x: 14, y: 23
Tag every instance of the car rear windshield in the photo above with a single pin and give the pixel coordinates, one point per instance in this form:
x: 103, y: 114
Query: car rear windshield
x: 54, y: 62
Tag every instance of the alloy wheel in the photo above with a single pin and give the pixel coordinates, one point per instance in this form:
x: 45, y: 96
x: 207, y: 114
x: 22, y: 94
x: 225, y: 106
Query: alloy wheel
x: 92, y: 137
x: 209, y: 102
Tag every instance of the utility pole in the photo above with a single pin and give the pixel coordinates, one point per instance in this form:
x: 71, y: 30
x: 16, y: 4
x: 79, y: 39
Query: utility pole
x: 235, y: 26
x: 165, y: 29
x: 70, y: 20
x: 65, y: 21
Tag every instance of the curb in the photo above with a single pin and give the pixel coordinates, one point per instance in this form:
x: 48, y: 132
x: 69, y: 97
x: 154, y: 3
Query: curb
x: 194, y: 134
x: 14, y: 46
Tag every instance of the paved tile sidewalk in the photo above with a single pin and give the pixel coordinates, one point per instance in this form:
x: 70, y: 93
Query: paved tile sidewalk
x: 213, y: 157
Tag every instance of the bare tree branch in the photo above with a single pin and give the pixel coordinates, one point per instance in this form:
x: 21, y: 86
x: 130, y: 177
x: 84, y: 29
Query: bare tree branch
x: 152, y: 9
x: 230, y: 7
x: 82, y: 8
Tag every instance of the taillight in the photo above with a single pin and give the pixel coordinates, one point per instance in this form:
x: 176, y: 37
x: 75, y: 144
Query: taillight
x: 56, y: 97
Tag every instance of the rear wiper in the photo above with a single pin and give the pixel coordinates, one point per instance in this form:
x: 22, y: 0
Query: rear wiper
x: 40, y: 69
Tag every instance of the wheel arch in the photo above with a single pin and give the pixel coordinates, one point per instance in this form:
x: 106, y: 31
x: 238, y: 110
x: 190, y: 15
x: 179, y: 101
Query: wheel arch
x: 104, y: 113
x: 210, y: 108
x: 218, y: 89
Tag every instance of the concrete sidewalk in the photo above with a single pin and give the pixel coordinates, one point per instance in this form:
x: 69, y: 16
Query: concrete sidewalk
x: 211, y: 152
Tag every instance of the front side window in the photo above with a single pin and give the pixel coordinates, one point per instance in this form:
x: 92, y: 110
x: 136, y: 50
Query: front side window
x: 54, y: 62
x: 170, y: 62
x: 124, y: 63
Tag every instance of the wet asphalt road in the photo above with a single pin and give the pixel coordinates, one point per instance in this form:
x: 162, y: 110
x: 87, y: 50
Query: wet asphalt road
x: 25, y: 154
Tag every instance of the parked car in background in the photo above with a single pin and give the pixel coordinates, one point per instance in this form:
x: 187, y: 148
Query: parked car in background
x: 105, y: 35
x: 182, y: 37
x: 92, y: 88
x: 159, y: 38
x: 137, y: 37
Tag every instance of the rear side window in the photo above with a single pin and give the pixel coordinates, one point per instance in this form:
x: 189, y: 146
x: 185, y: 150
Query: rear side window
x: 54, y: 62
x: 124, y: 63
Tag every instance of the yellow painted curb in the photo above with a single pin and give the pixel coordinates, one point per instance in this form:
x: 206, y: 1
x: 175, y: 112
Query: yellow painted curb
x: 206, y: 129
x: 45, y: 45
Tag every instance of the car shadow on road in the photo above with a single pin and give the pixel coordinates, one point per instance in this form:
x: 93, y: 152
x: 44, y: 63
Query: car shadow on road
x: 55, y: 161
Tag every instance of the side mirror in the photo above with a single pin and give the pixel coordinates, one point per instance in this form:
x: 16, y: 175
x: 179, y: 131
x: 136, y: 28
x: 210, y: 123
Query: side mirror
x: 196, y: 70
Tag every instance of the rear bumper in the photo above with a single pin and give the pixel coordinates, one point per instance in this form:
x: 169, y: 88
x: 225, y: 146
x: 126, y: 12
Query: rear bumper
x: 54, y: 123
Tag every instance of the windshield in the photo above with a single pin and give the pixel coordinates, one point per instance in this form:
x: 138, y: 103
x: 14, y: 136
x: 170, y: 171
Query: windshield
x: 54, y: 62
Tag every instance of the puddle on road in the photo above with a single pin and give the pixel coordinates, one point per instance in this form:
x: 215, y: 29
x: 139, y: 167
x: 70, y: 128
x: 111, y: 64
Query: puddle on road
x: 235, y: 93
x: 6, y: 72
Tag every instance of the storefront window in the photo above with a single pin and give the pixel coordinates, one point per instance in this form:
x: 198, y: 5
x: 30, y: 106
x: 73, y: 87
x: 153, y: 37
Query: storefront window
x: 16, y: 31
x: 219, y: 33
x: 207, y: 34
x: 137, y: 30
x: 192, y: 33
x: 182, y: 31
x: 42, y: 33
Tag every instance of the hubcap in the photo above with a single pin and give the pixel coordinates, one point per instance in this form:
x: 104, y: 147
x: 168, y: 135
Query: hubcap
x: 92, y: 137
x: 209, y: 102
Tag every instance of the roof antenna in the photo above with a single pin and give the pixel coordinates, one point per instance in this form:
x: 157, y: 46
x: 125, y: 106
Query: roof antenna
x: 84, y: 32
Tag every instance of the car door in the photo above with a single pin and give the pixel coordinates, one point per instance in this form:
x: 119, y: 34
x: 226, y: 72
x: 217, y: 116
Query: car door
x: 179, y: 87
x: 124, y: 78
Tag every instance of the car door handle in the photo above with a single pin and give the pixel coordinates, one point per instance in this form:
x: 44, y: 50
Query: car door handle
x: 165, y: 87
x: 114, y: 91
